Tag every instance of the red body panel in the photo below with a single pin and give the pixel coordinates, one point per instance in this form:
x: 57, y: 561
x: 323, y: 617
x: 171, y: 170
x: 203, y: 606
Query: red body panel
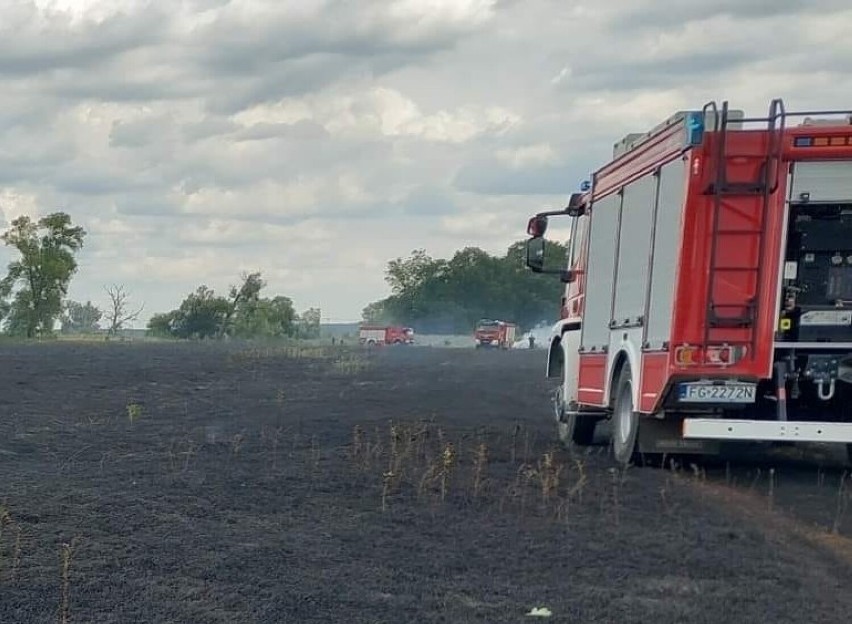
x: 748, y: 236
x: 389, y: 335
x: 738, y: 251
x: 592, y: 380
x: 655, y: 374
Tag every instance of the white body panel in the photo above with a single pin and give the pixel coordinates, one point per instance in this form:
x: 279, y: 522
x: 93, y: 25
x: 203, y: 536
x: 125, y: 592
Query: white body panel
x: 638, y: 201
x: 376, y: 335
x: 632, y: 269
x: 631, y: 276
x: 570, y: 345
x: 555, y: 342
x: 768, y: 430
x: 601, y: 267
x: 670, y: 197
x: 829, y: 181
x: 510, y: 334
x: 628, y: 341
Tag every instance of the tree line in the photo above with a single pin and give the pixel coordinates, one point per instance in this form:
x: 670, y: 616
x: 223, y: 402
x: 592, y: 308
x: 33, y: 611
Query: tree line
x: 433, y: 295
x: 243, y: 313
x: 33, y: 296
x: 449, y: 296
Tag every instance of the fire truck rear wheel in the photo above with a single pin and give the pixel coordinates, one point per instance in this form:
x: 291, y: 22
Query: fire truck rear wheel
x: 572, y: 430
x: 625, y: 420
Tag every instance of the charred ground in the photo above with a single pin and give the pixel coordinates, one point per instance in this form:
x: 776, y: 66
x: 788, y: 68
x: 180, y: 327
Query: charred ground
x: 210, y: 483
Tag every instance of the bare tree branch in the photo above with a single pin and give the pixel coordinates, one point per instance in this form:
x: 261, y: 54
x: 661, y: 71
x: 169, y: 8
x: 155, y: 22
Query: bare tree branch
x: 119, y: 311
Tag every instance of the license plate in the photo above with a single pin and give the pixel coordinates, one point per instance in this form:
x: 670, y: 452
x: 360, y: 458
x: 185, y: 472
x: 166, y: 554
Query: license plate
x: 723, y: 393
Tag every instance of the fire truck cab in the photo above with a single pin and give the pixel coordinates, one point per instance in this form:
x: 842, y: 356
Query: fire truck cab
x: 494, y: 334
x: 709, y: 286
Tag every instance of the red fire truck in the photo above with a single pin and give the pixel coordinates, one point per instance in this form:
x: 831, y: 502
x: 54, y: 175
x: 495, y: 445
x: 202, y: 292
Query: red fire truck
x: 381, y: 335
x: 709, y: 286
x: 494, y: 334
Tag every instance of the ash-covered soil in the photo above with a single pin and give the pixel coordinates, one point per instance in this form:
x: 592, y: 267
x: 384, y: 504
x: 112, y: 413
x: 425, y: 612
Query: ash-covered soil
x: 234, y: 483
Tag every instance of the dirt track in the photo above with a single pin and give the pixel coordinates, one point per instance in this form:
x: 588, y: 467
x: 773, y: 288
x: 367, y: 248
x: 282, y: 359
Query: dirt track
x: 219, y: 484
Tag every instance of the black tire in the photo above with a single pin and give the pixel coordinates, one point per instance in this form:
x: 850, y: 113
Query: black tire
x: 625, y: 419
x: 571, y: 429
x: 849, y: 455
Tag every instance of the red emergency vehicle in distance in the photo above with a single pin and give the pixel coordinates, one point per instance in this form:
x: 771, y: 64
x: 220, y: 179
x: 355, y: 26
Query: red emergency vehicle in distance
x: 494, y: 334
x: 709, y: 286
x: 385, y: 335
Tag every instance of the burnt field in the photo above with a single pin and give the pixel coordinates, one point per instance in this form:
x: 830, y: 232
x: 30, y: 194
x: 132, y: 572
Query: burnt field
x: 199, y: 483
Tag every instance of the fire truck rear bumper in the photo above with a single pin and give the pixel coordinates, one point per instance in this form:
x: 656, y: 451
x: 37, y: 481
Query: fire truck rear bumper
x: 766, y: 430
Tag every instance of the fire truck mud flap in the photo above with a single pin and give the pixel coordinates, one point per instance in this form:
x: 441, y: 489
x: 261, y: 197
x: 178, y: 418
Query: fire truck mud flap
x: 766, y: 430
x: 665, y: 437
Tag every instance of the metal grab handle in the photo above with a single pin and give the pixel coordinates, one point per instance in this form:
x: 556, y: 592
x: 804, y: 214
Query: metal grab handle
x: 711, y: 107
x: 820, y: 390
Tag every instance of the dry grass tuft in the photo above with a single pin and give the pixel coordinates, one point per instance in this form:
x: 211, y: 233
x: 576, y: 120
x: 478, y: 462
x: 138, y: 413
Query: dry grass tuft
x: 66, y: 556
x: 480, y: 463
x: 350, y: 364
x: 842, y: 504
x: 7, y: 523
x: 134, y: 412
x: 549, y: 472
x: 448, y: 464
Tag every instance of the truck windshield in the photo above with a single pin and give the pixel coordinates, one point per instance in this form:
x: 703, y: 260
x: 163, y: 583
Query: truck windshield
x: 486, y: 324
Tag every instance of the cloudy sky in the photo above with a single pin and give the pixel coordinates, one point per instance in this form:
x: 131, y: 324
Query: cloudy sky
x: 316, y: 139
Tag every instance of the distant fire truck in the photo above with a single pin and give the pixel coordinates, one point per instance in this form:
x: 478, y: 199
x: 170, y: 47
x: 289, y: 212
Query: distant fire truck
x: 494, y: 334
x: 381, y: 335
x: 709, y: 286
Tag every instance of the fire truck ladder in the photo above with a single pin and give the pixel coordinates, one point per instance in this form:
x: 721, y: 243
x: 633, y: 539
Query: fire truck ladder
x: 740, y: 315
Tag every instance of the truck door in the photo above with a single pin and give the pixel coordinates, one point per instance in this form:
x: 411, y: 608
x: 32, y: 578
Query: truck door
x: 573, y: 301
x: 572, y: 308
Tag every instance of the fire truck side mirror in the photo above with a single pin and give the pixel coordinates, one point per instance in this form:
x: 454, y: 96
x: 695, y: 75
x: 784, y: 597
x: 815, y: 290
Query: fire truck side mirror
x: 535, y: 254
x: 576, y: 207
x: 537, y: 226
x: 568, y: 276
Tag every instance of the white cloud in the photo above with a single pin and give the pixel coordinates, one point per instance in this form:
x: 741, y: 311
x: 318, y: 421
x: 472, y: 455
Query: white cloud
x: 313, y: 140
x: 14, y: 203
x: 526, y: 155
x: 563, y: 76
x: 415, y: 19
x: 218, y: 232
x: 382, y: 111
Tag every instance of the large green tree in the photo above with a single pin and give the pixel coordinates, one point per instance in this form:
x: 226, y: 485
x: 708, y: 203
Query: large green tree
x: 451, y: 295
x: 38, y: 280
x: 309, y: 323
x: 273, y: 317
x: 202, y: 314
x: 244, y: 313
x: 80, y: 318
x: 243, y: 302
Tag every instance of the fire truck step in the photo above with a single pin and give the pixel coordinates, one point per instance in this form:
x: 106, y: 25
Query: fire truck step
x: 768, y: 430
x: 746, y: 188
x: 584, y: 413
